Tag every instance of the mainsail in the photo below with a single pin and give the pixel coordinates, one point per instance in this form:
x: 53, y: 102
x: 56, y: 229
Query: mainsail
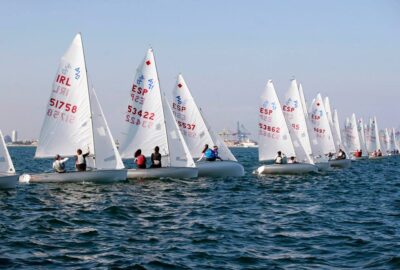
x: 6, y: 165
x: 273, y: 131
x: 67, y: 124
x: 192, y: 124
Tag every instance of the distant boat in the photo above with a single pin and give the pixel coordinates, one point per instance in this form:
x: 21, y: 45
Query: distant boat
x: 149, y: 122
x: 322, y: 132
x: 197, y: 133
x: 8, y: 177
x: 274, y: 136
x: 74, y: 120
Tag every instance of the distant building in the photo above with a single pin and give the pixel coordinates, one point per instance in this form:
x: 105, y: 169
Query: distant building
x: 14, y: 136
x: 7, y: 139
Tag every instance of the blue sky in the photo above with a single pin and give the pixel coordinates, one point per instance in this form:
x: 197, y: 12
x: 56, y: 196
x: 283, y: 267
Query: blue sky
x: 226, y: 51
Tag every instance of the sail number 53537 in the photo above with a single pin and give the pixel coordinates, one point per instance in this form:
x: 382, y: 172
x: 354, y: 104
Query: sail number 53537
x: 140, y: 113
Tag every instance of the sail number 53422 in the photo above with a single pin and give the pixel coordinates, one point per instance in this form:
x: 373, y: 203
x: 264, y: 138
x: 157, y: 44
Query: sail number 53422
x: 143, y: 114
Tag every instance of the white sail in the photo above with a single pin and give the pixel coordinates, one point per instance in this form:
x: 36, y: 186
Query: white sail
x: 303, y: 100
x: 353, y: 140
x: 107, y: 155
x: 193, y: 126
x: 327, y: 106
x: 6, y: 165
x: 370, y: 136
x: 361, y: 135
x: 393, y: 141
x: 67, y: 124
x: 320, y: 127
x: 144, y: 121
x: 295, y: 118
x: 337, y: 137
x: 149, y: 121
x: 377, y: 137
x: 179, y: 153
x: 387, y: 141
x: 273, y: 131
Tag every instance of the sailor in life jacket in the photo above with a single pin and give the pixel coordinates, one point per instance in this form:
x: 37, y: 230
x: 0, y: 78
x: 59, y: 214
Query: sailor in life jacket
x: 80, y: 160
x: 59, y: 164
x: 156, y: 158
x: 203, y: 152
x: 140, y: 159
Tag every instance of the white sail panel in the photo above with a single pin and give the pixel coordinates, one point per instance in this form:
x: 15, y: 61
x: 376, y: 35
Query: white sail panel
x: 361, y: 135
x: 67, y: 124
x: 179, y: 154
x: 353, y: 140
x: 192, y: 124
x: 303, y: 100
x: 295, y: 118
x: 370, y: 136
x: 272, y: 128
x: 336, y: 130
x: 144, y: 123
x: 320, y: 127
x: 377, y: 136
x: 107, y: 155
x: 6, y: 165
x: 327, y: 106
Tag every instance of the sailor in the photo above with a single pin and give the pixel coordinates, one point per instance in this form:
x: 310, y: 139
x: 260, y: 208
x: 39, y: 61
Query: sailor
x: 379, y: 153
x: 80, y: 160
x: 156, y: 158
x: 215, y: 149
x: 59, y: 164
x: 341, y: 154
x: 292, y: 160
x: 330, y: 156
x: 140, y: 159
x: 280, y: 158
x: 203, y: 152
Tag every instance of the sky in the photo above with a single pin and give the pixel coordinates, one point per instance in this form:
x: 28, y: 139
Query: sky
x: 226, y: 51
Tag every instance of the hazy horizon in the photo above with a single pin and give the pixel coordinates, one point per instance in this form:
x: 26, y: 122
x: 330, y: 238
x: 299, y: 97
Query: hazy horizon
x: 226, y: 52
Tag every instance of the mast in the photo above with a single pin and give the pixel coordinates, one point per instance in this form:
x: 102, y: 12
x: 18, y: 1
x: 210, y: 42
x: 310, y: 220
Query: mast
x: 162, y: 95
x: 90, y: 104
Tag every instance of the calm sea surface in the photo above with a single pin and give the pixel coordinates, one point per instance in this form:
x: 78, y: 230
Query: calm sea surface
x: 347, y: 219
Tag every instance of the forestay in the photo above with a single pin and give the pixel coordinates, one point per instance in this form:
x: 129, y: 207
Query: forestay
x: 107, y: 155
x: 320, y: 127
x: 273, y: 131
x: 67, y: 124
x: 192, y: 124
x: 6, y: 165
x: 295, y: 118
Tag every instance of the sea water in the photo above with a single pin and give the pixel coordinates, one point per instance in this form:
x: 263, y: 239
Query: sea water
x: 339, y: 220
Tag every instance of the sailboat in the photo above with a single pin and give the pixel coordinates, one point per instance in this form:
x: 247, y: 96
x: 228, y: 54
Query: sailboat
x: 74, y: 120
x: 274, y: 136
x: 8, y: 177
x: 294, y: 115
x: 375, y: 145
x: 149, y: 122
x: 361, y: 135
x: 352, y: 136
x: 321, y: 129
x: 197, y: 133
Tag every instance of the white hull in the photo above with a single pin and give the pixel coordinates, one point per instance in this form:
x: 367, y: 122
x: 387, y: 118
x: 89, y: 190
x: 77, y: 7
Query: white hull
x: 378, y: 157
x: 8, y: 181
x: 323, y: 166
x: 340, y: 163
x: 167, y: 172
x: 220, y: 168
x: 296, y: 168
x: 97, y: 176
x: 359, y: 158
